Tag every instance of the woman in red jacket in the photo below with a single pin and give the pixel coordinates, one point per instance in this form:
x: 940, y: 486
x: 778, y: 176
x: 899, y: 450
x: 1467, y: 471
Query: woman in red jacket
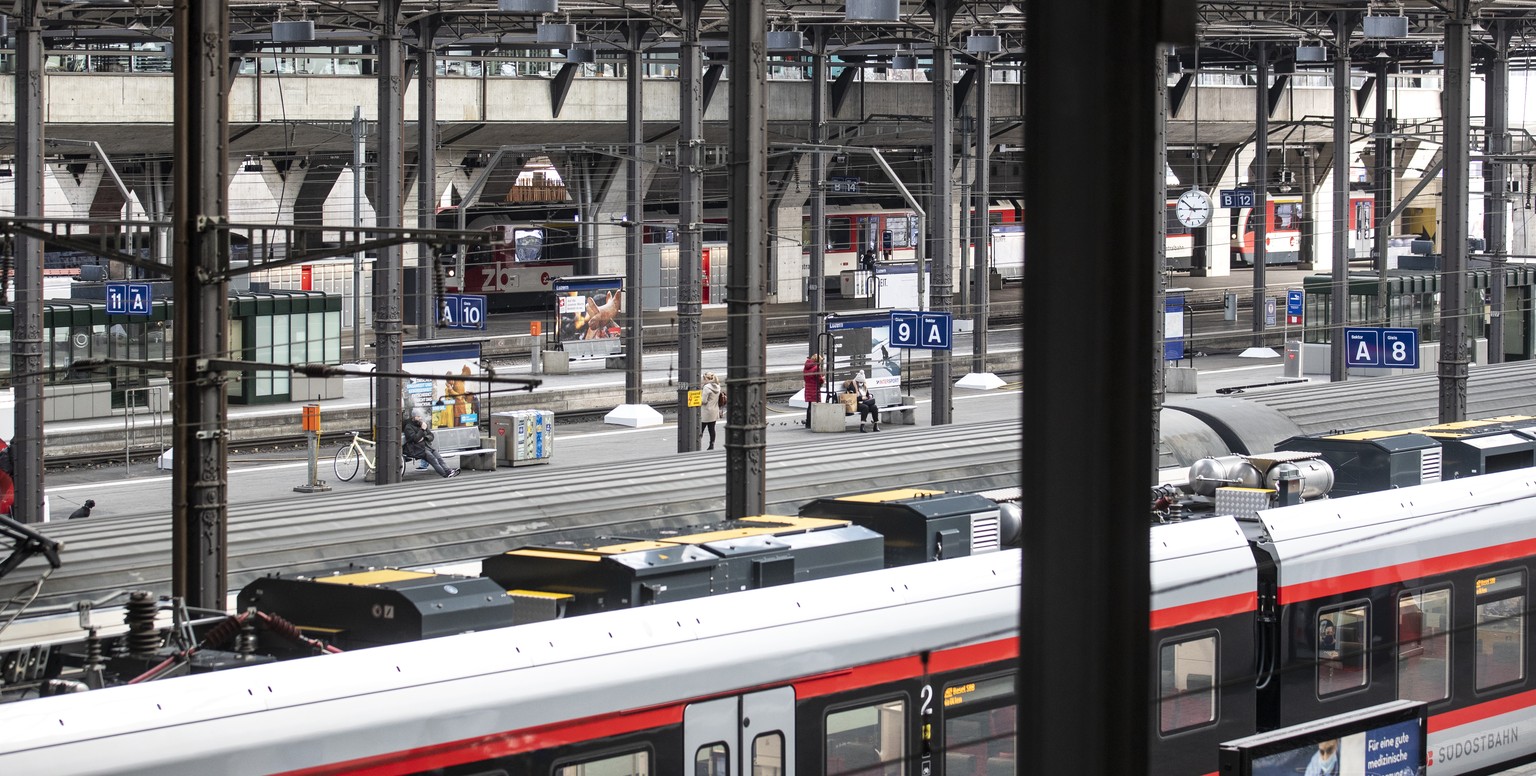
x: 813, y: 380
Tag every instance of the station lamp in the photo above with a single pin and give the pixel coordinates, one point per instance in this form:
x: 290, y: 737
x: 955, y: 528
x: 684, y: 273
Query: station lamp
x: 872, y: 10
x: 528, y: 6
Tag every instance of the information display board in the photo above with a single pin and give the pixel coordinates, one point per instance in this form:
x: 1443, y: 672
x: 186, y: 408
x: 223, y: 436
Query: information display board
x: 1386, y: 740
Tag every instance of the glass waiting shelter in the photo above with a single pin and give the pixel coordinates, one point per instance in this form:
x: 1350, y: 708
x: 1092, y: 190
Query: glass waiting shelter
x: 1413, y: 301
x: 289, y: 327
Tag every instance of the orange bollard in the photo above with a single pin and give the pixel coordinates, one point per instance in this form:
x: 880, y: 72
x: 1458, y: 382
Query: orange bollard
x: 536, y: 328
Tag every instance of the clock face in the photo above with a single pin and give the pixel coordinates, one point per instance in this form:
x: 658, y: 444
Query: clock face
x: 1194, y: 208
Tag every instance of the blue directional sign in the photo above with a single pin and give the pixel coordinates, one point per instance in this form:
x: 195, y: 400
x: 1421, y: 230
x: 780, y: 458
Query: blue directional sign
x: 904, y: 327
x: 1383, y: 348
x: 1237, y: 198
x: 934, y: 330
x: 464, y: 311
x: 129, y: 299
x: 117, y: 299
x: 1294, y: 300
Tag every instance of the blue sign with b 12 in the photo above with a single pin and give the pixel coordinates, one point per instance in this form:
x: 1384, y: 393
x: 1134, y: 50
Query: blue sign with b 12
x: 1237, y: 198
x: 1381, y: 348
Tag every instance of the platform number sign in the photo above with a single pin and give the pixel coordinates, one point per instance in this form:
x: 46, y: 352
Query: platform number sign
x: 129, y: 299
x: 1381, y: 348
x: 926, y: 330
x: 1237, y: 198
x: 464, y: 311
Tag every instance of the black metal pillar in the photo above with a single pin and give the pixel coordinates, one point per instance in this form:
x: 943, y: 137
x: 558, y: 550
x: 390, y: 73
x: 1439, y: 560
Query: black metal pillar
x: 690, y: 249
x: 1453, y: 299
x: 816, y: 281
x: 1497, y: 217
x: 981, y: 231
x: 746, y: 339
x: 428, y: 299
x: 633, y: 308
x: 1258, y: 220
x: 387, y: 270
x: 27, y: 330
x: 1158, y: 85
x: 1341, y: 116
x: 199, y: 205
x: 1089, y: 392
x: 941, y: 207
x: 1383, y: 173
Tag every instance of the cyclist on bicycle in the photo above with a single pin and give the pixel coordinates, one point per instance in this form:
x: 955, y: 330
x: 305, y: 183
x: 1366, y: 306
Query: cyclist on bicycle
x: 418, y: 444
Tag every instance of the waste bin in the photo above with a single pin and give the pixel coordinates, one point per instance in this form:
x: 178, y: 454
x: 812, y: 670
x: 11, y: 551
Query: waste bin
x: 1293, y: 358
x: 523, y: 437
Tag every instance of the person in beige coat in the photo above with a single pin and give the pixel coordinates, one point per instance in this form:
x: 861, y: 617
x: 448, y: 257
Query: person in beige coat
x: 711, y: 405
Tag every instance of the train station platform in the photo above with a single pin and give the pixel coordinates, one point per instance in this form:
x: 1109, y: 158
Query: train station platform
x: 267, y: 464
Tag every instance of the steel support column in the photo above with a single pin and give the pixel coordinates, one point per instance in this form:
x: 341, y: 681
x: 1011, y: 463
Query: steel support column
x: 1158, y: 84
x: 746, y: 338
x: 981, y: 230
x: 199, y: 207
x: 1258, y: 218
x: 1090, y: 402
x: 1497, y: 217
x: 1453, y: 299
x: 816, y: 288
x: 941, y: 207
x: 27, y: 330
x: 690, y: 249
x: 428, y: 302
x: 387, y: 270
x: 632, y: 307
x: 1383, y: 174
x: 1341, y: 116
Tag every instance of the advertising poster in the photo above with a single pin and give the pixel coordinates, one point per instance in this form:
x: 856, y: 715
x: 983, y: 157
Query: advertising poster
x: 442, y: 392
x: 1384, y: 740
x: 862, y: 346
x: 589, y: 313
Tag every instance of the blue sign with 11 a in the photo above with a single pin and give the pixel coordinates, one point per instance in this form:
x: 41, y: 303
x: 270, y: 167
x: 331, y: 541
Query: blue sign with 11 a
x: 129, y: 299
x: 464, y: 311
x: 1381, y: 348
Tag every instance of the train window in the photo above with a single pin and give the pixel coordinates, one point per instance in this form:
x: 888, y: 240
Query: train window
x: 867, y: 740
x: 980, y: 737
x: 768, y: 754
x: 627, y: 764
x: 900, y: 231
x: 1287, y: 215
x: 1187, y: 693
x: 712, y: 760
x: 1423, y: 646
x: 839, y: 234
x: 1363, y: 221
x: 1500, y: 655
x: 1342, y: 636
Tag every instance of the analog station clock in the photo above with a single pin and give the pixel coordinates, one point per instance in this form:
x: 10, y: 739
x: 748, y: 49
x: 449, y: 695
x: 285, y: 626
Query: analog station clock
x: 1194, y: 208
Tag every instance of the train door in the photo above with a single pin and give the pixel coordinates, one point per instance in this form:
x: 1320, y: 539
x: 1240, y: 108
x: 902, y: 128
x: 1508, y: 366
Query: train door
x: 748, y: 735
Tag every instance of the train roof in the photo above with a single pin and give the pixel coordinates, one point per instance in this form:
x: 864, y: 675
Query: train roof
x: 1223, y: 570
x: 1385, y: 536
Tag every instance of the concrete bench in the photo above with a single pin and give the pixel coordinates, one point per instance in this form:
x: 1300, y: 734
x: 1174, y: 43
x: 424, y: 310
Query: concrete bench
x: 899, y: 415
x: 481, y: 459
x: 830, y: 417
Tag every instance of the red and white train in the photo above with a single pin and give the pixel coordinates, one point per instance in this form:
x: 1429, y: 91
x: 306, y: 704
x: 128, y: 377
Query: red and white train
x: 1285, y: 217
x: 1259, y: 622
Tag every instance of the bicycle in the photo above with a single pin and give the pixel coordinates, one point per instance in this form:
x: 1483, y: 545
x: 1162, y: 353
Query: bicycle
x: 351, y: 456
